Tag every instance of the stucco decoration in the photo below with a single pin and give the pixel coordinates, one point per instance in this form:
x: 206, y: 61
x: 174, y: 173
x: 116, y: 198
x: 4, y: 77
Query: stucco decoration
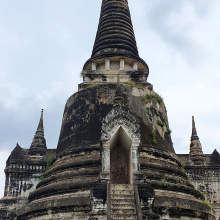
x: 120, y: 116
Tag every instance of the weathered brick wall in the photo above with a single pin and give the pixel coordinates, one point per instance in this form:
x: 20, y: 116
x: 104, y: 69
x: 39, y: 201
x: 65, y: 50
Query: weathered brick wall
x: 22, y: 174
x: 205, y: 178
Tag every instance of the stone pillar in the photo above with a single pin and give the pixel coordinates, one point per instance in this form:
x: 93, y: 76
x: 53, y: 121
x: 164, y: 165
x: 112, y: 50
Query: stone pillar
x: 107, y: 64
x: 135, y: 66
x: 105, y: 174
x: 122, y: 64
x: 94, y: 66
x: 135, y: 158
x: 6, y: 184
x: 106, y: 159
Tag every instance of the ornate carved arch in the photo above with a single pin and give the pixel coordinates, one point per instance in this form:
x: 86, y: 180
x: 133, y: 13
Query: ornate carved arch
x: 119, y: 117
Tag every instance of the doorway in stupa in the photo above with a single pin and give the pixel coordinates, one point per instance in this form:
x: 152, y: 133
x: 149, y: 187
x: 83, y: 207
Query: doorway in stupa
x: 120, y: 158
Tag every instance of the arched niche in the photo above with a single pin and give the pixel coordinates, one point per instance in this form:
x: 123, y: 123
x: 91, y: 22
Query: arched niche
x: 120, y: 139
x: 120, y: 158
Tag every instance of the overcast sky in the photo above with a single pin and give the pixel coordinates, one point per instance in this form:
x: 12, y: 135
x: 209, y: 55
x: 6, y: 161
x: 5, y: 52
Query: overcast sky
x: 44, y: 44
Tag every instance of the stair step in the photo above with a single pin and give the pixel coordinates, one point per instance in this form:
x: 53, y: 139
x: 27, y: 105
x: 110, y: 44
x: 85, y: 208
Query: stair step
x: 123, y: 206
x: 121, y: 197
x: 122, y: 201
x: 121, y: 187
x: 126, y: 217
x: 124, y: 211
x: 122, y: 192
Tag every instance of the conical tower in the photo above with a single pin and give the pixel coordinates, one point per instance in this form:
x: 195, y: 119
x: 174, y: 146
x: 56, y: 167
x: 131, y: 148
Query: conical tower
x: 195, y: 152
x: 115, y: 158
x: 115, y: 50
x: 115, y: 34
x: 38, y: 145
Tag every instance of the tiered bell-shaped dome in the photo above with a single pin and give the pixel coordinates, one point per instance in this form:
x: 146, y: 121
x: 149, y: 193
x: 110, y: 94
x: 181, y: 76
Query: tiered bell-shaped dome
x: 115, y: 34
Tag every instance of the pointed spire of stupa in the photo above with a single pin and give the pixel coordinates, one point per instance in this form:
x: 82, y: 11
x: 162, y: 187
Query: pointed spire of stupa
x: 196, y: 153
x: 38, y: 146
x: 41, y: 125
x: 194, y: 132
x: 115, y: 34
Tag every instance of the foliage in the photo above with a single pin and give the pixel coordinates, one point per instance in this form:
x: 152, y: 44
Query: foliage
x: 91, y: 85
x: 129, y: 83
x: 153, y: 135
x: 167, y: 126
x: 154, y: 142
x: 148, y: 110
x: 133, y: 84
x: 162, y: 124
x: 183, y: 170
x: 208, y: 204
x: 163, y: 180
x: 153, y: 97
x: 49, y: 160
x: 168, y: 130
x: 159, y: 122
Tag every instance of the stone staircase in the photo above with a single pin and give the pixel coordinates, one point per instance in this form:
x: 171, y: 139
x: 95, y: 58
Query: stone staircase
x: 122, y: 202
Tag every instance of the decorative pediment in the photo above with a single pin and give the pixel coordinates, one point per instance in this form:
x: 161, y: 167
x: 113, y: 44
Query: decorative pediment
x: 120, y: 116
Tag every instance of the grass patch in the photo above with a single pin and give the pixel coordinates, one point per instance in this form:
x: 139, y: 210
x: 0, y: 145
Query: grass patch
x: 133, y: 84
x: 129, y: 83
x: 91, y: 85
x: 153, y: 97
x: 208, y: 204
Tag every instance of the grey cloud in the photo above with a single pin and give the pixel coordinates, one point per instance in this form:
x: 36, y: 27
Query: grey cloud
x: 158, y: 19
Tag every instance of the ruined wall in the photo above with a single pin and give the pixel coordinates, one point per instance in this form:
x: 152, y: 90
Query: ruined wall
x: 205, y: 178
x: 23, y: 173
x: 21, y: 179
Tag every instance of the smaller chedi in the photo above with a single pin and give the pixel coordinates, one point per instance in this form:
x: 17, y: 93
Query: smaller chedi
x: 23, y: 171
x: 115, y: 157
x: 196, y: 153
x: 203, y: 171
